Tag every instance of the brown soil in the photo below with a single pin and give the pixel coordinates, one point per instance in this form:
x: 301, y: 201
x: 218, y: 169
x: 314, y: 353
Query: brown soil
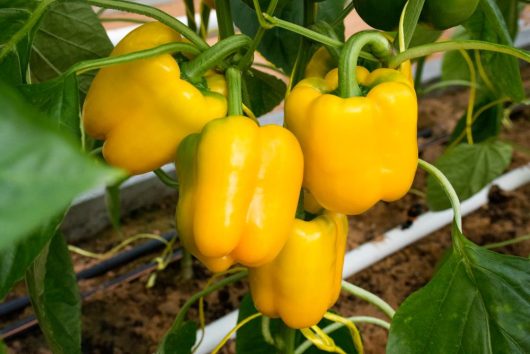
x: 132, y: 319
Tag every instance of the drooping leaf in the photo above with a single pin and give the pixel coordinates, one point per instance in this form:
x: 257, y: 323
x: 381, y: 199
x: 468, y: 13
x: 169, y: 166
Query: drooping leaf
x: 58, y: 99
x: 55, y: 298
x: 41, y: 171
x: 69, y: 33
x: 179, y: 340
x: 478, y: 302
x: 262, y: 92
x: 469, y: 168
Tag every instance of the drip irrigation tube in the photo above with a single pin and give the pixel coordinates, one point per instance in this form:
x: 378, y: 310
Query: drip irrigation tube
x: 394, y: 240
x: 97, y: 270
x: 30, y: 321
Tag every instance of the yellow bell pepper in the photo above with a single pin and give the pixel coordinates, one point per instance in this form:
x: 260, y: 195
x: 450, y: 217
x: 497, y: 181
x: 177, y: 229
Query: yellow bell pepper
x: 304, y: 281
x: 357, y: 150
x: 238, y: 193
x: 143, y: 109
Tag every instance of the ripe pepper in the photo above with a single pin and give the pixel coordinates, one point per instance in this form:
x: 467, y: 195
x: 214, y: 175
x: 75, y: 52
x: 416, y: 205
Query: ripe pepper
x: 439, y: 14
x: 304, y: 281
x: 238, y: 193
x: 357, y: 150
x: 143, y: 109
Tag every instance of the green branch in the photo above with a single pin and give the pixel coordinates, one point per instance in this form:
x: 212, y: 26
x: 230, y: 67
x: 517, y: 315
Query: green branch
x: 156, y: 14
x: 93, y: 64
x: 428, y: 49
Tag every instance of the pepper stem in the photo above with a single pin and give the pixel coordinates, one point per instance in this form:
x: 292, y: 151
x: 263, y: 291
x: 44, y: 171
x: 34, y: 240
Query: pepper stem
x: 348, y: 85
x: 233, y: 77
x: 195, y: 69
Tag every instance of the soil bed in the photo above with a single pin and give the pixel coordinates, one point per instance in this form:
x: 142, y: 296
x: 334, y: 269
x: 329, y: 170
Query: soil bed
x: 132, y: 319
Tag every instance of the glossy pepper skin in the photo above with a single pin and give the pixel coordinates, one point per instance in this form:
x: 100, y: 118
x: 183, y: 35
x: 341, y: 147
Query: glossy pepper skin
x: 438, y: 14
x: 304, y: 281
x: 143, y: 109
x: 239, y: 188
x: 357, y: 150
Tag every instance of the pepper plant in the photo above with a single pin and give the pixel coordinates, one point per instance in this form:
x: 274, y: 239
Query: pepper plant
x: 76, y: 113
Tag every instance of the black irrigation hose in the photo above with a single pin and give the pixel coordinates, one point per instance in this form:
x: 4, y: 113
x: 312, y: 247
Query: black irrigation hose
x: 30, y: 321
x: 97, y: 270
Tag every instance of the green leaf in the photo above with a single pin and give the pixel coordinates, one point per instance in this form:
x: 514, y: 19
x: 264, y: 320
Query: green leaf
x: 412, y: 16
x: 262, y: 92
x: 510, y: 11
x: 487, y: 23
x: 17, y: 21
x: 58, y: 99
x: 469, y: 168
x: 487, y: 125
x: 17, y: 257
x: 280, y: 46
x: 179, y: 340
x: 478, y: 302
x: 53, y: 291
x: 69, y: 33
x: 3, y: 348
x: 250, y: 340
x: 41, y: 171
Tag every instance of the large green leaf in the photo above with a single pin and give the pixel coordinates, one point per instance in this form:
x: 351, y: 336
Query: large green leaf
x: 478, y: 302
x: 18, y: 20
x: 262, y: 92
x: 53, y: 291
x: 69, y: 33
x: 17, y: 257
x: 179, y: 340
x: 250, y: 340
x: 488, y: 24
x: 469, y: 168
x: 486, y: 126
x: 41, y: 171
x: 279, y: 46
x: 59, y: 100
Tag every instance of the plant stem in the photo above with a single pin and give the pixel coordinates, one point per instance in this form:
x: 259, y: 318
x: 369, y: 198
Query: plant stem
x: 368, y: 296
x: 166, y: 179
x: 224, y: 18
x: 93, y: 64
x: 233, y: 77
x: 288, y: 336
x: 448, y: 189
x: 266, y: 330
x: 428, y: 49
x: 249, y: 55
x: 155, y: 13
x: 317, y: 37
x: 33, y: 19
x: 195, y: 69
x: 337, y: 325
x: 348, y: 85
x: 190, y: 14
x: 507, y: 242
x: 472, y: 97
x: 419, y: 73
x: 186, y: 265
x: 195, y: 297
